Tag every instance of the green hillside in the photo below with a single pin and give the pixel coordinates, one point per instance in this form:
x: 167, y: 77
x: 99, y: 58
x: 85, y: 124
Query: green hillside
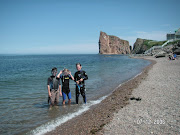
x: 151, y: 43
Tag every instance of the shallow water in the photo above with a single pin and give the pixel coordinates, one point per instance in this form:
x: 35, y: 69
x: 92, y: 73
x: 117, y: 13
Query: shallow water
x: 23, y: 87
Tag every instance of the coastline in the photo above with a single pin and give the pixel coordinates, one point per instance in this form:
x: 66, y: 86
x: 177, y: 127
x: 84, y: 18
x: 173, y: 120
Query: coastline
x: 93, y: 120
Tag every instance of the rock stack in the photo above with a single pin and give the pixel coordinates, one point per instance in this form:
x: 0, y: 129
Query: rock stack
x: 112, y: 45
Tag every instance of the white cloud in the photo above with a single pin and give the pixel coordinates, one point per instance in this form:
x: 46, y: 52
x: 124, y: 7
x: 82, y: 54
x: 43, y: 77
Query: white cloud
x: 154, y: 35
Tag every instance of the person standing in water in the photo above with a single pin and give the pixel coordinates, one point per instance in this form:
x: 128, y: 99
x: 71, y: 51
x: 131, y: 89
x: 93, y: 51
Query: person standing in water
x: 54, y: 88
x: 79, y: 77
x: 65, y: 75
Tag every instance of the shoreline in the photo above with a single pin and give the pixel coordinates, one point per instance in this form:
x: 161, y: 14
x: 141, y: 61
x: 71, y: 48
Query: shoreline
x: 93, y: 120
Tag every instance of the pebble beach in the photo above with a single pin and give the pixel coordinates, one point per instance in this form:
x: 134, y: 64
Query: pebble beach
x: 158, y: 111
x: 146, y: 104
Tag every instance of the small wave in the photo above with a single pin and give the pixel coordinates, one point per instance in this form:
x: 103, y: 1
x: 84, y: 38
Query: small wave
x: 60, y: 120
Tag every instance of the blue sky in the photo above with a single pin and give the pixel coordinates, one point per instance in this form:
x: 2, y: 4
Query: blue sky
x: 73, y: 26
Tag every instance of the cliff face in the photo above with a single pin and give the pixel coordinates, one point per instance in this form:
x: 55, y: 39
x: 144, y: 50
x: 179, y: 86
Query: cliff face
x: 139, y: 46
x: 112, y: 45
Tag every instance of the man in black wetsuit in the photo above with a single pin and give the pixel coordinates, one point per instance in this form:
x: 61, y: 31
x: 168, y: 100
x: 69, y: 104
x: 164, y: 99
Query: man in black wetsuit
x: 79, y: 77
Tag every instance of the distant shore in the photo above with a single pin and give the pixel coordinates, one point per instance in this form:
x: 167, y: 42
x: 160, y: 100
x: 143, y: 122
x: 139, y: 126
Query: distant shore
x: 93, y: 120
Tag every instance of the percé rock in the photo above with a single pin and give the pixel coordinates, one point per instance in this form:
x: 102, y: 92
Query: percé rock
x: 139, y: 46
x: 112, y: 45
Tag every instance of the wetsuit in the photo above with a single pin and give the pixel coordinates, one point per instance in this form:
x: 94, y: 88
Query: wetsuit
x: 80, y: 88
x: 65, y: 86
x: 54, y: 83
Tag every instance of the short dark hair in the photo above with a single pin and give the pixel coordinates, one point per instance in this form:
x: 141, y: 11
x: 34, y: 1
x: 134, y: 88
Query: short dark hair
x: 54, y: 68
x: 78, y: 64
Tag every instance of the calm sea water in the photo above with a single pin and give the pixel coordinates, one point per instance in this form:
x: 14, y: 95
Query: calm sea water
x: 23, y: 88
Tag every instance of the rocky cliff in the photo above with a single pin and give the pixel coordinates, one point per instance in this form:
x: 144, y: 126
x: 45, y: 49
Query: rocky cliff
x: 139, y: 46
x: 112, y: 45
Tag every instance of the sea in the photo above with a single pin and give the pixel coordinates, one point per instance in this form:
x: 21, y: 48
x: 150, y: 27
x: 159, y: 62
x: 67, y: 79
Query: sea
x: 23, y: 88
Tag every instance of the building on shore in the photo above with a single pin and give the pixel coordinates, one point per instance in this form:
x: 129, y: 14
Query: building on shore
x: 174, y: 36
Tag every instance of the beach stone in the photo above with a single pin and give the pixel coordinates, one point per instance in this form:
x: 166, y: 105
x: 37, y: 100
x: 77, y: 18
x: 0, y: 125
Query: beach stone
x: 177, y: 51
x: 160, y: 54
x: 158, y: 112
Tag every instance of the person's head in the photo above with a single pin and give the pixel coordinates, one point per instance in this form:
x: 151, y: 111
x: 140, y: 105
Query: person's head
x: 54, y: 71
x: 78, y: 66
x: 66, y: 71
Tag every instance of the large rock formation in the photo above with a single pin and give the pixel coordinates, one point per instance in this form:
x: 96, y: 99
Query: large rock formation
x: 176, y: 48
x: 112, y: 45
x: 172, y: 48
x: 139, y: 46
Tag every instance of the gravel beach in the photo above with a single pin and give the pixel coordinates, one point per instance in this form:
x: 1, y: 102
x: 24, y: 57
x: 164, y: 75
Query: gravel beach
x: 158, y: 109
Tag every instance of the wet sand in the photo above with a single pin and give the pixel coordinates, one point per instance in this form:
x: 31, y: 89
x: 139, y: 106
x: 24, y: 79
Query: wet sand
x: 94, y: 120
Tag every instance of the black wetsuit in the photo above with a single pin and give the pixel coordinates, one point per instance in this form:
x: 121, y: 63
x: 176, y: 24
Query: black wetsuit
x: 80, y: 88
x: 65, y: 83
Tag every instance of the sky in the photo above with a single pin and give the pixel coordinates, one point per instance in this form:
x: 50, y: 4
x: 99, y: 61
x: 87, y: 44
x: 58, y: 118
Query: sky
x: 73, y: 26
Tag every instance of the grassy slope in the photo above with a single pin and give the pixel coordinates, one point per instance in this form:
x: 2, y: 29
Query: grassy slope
x: 151, y: 43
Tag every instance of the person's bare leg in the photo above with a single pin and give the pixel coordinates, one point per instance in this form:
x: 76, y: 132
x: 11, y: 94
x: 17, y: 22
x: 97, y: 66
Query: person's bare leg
x: 69, y: 102
x: 64, y: 102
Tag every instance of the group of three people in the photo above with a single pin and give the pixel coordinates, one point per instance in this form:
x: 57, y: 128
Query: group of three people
x: 54, y: 85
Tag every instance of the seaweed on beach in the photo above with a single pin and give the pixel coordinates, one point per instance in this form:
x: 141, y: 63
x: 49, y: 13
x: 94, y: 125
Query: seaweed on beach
x: 137, y: 99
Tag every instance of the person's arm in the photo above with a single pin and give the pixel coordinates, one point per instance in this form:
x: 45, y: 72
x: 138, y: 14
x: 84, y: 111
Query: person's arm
x: 60, y: 90
x: 84, y: 78
x: 58, y: 76
x: 49, y: 92
x: 59, y: 82
x: 48, y: 87
x: 75, y: 78
x: 71, y: 76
